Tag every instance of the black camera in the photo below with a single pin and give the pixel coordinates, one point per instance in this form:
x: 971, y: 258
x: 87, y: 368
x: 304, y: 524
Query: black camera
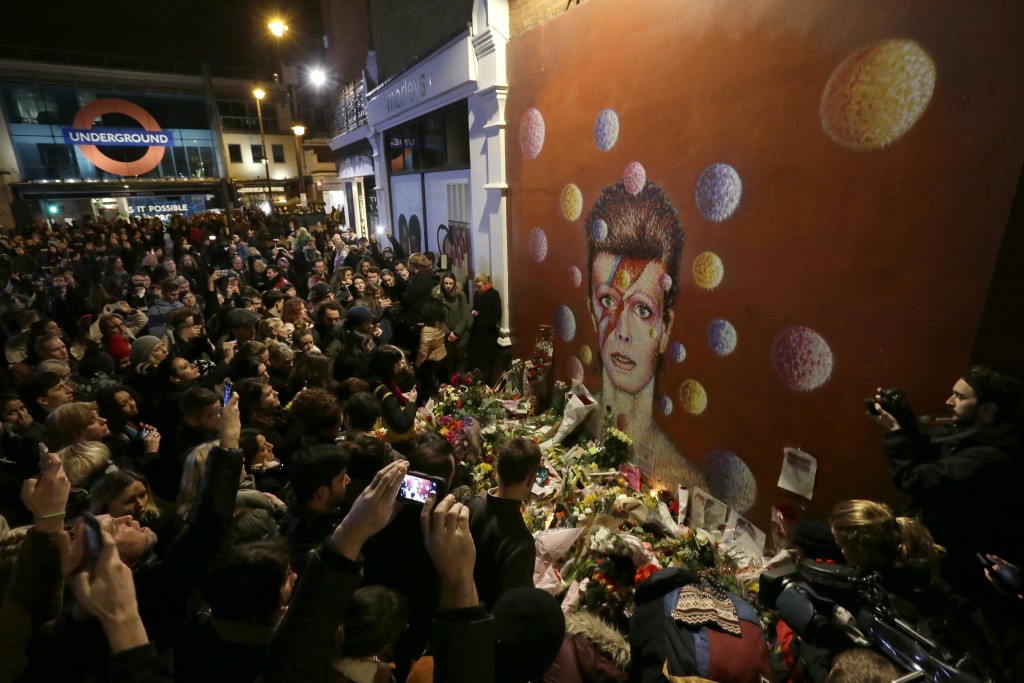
x: 834, y: 578
x: 891, y: 400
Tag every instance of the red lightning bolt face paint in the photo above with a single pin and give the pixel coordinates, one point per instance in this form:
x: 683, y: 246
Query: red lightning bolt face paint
x: 627, y: 300
x: 626, y: 272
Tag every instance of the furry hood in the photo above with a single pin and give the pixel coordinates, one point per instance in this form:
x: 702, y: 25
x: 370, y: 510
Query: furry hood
x: 604, y: 636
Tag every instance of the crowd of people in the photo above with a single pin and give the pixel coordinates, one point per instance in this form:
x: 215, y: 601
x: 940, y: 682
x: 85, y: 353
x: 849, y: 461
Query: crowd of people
x: 206, y: 433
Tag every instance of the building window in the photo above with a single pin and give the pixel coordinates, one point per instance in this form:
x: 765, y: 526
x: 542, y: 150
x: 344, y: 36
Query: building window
x: 277, y: 152
x: 235, y: 154
x: 257, y: 153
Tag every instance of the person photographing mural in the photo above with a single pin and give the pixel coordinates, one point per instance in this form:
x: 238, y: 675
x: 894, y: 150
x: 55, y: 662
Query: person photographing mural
x: 634, y: 246
x: 963, y: 475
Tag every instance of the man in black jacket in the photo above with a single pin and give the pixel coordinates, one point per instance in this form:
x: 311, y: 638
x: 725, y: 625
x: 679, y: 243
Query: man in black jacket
x: 964, y: 478
x: 505, y: 548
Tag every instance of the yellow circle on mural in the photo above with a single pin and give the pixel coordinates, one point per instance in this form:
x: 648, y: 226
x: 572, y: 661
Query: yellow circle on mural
x: 877, y: 94
x: 693, y: 397
x: 708, y: 270
x: 572, y: 202
x: 586, y: 355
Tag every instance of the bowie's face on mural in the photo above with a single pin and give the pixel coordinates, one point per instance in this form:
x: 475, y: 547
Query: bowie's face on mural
x: 628, y: 307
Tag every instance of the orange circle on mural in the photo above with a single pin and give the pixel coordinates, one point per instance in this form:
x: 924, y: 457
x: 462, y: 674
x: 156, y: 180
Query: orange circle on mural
x: 109, y: 105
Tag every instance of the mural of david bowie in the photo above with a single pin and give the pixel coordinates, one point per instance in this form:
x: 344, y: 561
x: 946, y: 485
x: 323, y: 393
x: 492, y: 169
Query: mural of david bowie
x: 633, y: 275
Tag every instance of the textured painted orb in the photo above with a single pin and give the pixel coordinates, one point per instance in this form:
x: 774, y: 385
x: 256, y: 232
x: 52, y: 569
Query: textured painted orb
x: 634, y: 177
x: 729, y: 479
x: 665, y: 282
x: 722, y: 337
x: 572, y: 202
x: 565, y: 322
x: 606, y: 130
x: 718, y: 192
x: 538, y: 245
x: 575, y: 369
x: 692, y: 397
x: 802, y: 358
x: 708, y: 270
x: 677, y: 352
x: 877, y: 94
x: 665, y: 405
x: 531, y: 133
x: 586, y: 355
x: 599, y: 230
x: 622, y: 422
x: 575, y: 276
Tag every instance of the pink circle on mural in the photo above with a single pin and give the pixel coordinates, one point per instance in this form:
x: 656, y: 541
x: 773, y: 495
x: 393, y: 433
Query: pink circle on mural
x: 538, y: 245
x: 622, y: 422
x: 575, y: 276
x: 665, y: 282
x: 634, y: 177
x: 575, y: 369
x: 802, y: 358
x: 531, y: 133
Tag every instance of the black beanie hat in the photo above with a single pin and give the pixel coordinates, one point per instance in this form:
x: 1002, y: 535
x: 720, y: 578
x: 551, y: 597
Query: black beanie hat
x: 529, y: 627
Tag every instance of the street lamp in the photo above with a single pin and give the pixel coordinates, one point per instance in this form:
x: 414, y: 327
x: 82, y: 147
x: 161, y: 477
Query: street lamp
x: 299, y: 131
x: 259, y: 94
x: 277, y: 27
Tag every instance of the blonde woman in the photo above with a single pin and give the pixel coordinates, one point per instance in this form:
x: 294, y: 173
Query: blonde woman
x: 78, y: 421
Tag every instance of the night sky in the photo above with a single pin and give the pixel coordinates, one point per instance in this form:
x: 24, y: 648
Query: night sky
x: 224, y: 32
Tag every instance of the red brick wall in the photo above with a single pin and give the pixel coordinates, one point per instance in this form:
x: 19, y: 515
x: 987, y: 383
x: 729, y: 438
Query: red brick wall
x: 525, y: 14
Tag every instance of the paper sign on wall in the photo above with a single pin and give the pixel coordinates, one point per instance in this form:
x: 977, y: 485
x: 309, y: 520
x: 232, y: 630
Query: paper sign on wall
x: 798, y: 470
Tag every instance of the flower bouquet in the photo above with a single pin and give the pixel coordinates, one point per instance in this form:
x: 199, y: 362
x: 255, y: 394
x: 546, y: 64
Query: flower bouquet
x: 466, y: 396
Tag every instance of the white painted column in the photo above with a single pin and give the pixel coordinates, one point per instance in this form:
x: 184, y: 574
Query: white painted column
x: 488, y: 185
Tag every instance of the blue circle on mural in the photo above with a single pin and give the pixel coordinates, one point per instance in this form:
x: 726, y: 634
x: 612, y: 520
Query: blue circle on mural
x: 722, y: 337
x: 606, y: 130
x: 565, y: 322
x: 665, y: 404
x: 718, y: 192
x: 729, y: 479
x: 677, y: 352
x: 599, y: 230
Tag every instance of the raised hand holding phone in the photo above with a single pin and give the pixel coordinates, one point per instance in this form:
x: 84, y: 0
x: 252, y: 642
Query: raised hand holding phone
x: 46, y: 496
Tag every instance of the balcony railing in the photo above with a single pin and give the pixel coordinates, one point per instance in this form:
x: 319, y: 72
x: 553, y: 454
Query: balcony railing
x: 350, y: 110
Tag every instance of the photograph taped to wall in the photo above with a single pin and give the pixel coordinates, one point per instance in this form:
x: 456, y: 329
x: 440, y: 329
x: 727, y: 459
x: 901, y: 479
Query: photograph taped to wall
x: 706, y: 511
x: 743, y: 537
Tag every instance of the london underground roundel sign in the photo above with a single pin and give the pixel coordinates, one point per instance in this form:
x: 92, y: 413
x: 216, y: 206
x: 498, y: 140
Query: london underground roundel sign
x: 83, y: 135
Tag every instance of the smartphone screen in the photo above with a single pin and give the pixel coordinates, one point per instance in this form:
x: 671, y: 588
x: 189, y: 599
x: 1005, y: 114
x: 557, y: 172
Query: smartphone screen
x: 227, y: 391
x: 417, y: 489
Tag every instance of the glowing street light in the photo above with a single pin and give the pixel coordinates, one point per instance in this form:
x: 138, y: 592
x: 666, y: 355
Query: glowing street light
x: 277, y: 27
x: 317, y: 77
